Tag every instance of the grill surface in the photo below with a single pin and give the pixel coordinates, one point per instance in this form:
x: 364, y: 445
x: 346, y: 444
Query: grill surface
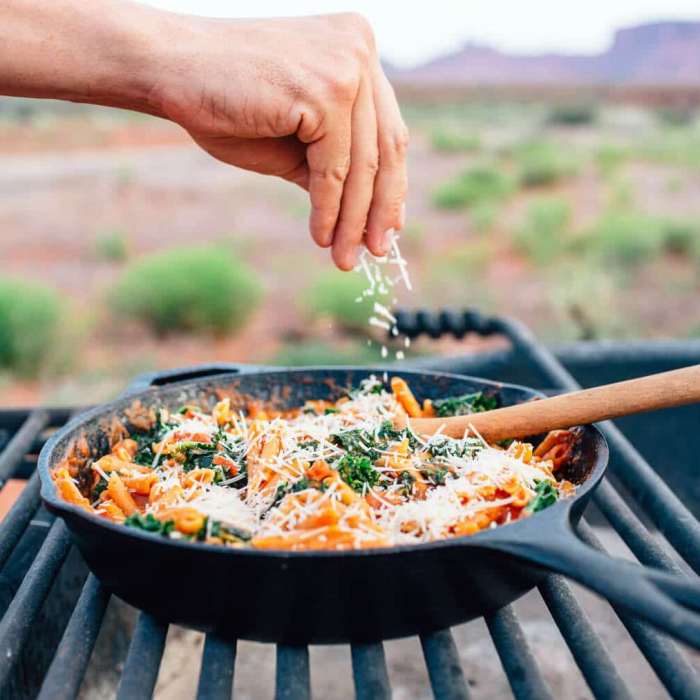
x: 52, y: 610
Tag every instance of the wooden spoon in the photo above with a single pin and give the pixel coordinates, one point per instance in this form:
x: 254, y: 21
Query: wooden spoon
x: 664, y: 390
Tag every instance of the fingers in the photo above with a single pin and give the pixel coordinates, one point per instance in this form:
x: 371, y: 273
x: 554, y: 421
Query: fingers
x: 359, y: 185
x: 328, y: 161
x: 387, y: 211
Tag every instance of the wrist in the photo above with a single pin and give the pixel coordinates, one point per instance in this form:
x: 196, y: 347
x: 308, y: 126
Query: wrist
x: 131, y: 61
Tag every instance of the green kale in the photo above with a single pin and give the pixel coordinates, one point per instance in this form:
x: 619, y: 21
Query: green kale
x: 357, y: 471
x: 98, y: 488
x: 145, y: 439
x: 436, y: 475
x: 228, y: 533
x: 196, y: 455
x: 309, y: 445
x: 357, y: 442
x: 330, y: 411
x: 443, y: 447
x: 407, y: 480
x: 464, y: 405
x: 546, y: 495
x: 284, y: 488
x: 150, y: 524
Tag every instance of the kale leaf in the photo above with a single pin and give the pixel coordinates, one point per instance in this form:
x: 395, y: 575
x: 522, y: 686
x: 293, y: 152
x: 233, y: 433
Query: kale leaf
x: 464, y: 405
x: 356, y: 442
x: 98, y: 488
x: 546, y: 495
x: 150, y: 524
x: 357, y: 471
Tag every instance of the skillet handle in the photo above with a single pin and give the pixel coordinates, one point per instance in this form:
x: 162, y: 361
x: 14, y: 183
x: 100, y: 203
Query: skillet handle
x: 181, y: 374
x: 668, y: 601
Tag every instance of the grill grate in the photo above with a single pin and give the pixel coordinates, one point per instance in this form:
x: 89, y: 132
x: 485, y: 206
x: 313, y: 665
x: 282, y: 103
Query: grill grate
x: 68, y: 656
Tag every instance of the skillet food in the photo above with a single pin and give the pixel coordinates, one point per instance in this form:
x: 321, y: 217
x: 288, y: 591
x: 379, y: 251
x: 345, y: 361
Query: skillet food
x: 331, y: 475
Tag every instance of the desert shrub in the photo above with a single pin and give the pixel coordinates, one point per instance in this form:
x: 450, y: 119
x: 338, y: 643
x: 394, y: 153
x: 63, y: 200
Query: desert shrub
x: 318, y: 353
x: 335, y: 295
x: 609, y: 158
x: 679, y: 147
x: 188, y: 289
x: 631, y: 238
x: 474, y: 186
x: 621, y: 194
x: 112, y: 246
x: 542, y: 236
x: 573, y: 114
x: 452, y: 140
x: 483, y: 216
x: 681, y: 237
x: 585, y: 297
x: 626, y: 238
x: 542, y: 163
x: 29, y: 325
x: 676, y: 116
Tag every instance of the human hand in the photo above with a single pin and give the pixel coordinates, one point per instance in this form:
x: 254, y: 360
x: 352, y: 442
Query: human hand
x: 305, y: 99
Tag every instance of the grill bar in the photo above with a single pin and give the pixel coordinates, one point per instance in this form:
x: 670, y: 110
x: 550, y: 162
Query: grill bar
x: 21, y: 443
x: 68, y: 667
x: 587, y: 648
x: 663, y: 655
x: 674, y: 520
x: 636, y: 536
x: 444, y: 668
x: 216, y: 673
x: 143, y: 659
x: 24, y: 608
x: 15, y: 523
x: 368, y: 660
x: 521, y: 667
x: 293, y: 679
x: 369, y: 672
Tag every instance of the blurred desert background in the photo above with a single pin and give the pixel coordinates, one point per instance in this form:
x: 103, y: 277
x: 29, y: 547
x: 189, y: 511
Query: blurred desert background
x: 560, y: 189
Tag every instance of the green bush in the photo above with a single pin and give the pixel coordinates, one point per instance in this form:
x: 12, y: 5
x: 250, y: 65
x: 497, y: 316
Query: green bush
x: 112, y: 246
x: 676, y: 116
x: 543, y: 163
x: 631, y: 238
x: 317, y: 353
x: 574, y: 114
x: 609, y: 158
x: 483, y: 216
x: 451, y: 140
x: 542, y: 237
x: 29, y: 325
x: 188, y: 289
x: 681, y: 237
x: 474, y: 186
x: 335, y: 294
x: 625, y: 238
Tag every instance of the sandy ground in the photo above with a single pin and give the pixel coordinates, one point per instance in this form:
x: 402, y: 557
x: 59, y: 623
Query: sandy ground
x: 63, y: 189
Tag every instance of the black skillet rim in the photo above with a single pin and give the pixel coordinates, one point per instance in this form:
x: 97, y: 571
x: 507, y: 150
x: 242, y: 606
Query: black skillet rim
x: 49, y: 492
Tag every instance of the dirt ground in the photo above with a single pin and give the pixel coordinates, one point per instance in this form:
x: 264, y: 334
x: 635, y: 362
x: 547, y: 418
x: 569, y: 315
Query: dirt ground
x: 67, y: 182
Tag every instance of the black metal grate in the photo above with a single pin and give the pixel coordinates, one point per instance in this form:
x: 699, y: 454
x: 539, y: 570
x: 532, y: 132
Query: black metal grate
x: 34, y: 548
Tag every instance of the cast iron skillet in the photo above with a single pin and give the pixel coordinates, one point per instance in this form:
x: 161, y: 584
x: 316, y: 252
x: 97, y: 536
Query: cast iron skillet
x: 326, y: 597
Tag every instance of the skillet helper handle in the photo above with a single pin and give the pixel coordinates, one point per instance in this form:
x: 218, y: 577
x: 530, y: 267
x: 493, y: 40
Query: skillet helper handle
x: 664, y: 390
x: 181, y: 374
x: 670, y: 602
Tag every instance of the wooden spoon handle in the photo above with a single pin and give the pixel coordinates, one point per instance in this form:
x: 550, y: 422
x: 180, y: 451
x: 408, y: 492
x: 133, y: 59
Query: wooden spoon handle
x: 664, y: 390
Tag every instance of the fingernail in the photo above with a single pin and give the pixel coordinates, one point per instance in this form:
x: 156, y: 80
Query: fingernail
x: 385, y: 245
x: 402, y: 215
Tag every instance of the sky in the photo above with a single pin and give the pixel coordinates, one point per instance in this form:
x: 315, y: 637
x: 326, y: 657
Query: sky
x: 411, y: 32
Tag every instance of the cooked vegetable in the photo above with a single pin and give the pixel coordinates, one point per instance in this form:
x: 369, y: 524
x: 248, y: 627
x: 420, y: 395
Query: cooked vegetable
x: 324, y: 475
x: 464, y: 405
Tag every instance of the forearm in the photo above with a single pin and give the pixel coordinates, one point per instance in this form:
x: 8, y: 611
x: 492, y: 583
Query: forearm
x: 104, y: 52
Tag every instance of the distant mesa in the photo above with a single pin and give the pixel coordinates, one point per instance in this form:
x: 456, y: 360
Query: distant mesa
x: 659, y: 53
